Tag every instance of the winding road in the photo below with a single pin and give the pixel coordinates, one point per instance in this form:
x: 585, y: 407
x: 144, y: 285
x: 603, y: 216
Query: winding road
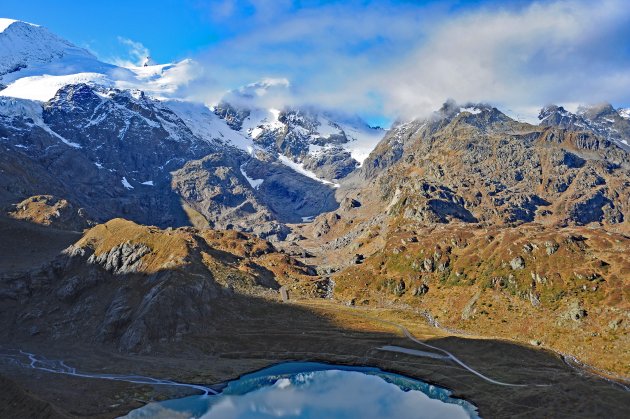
x: 447, y: 354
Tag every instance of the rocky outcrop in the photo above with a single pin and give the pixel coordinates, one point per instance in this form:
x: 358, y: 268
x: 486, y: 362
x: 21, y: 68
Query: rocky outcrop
x: 517, y: 263
x: 575, y: 312
x: 233, y: 117
x: 122, y: 259
x: 470, y: 308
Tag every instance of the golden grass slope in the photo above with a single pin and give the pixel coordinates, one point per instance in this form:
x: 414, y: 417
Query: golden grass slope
x: 566, y: 289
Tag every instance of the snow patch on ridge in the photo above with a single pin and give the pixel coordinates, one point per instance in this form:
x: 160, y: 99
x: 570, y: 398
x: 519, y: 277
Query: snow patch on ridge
x: 254, y: 183
x: 126, y: 184
x: 206, y: 125
x: 471, y: 109
x: 27, y: 109
x: 299, y: 167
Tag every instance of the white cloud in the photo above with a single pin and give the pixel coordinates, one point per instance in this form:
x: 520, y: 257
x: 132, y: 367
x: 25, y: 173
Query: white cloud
x: 556, y: 52
x: 406, y: 60
x: 135, y: 55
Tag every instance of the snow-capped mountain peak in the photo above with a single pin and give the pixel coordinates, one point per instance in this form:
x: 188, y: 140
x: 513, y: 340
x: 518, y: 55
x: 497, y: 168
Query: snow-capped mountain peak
x: 24, y: 45
x: 35, y: 63
x: 328, y: 143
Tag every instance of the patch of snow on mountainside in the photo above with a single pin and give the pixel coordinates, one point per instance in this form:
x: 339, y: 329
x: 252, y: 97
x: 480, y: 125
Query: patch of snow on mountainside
x: 13, y: 107
x: 363, y: 139
x: 471, y: 109
x: 5, y: 23
x: 43, y: 88
x: 326, y: 127
x: 260, y: 120
x: 207, y: 126
x: 254, y: 183
x: 298, y: 167
x: 624, y: 113
x: 126, y: 184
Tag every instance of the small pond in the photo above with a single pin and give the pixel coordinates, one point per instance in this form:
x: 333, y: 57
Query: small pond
x: 314, y: 390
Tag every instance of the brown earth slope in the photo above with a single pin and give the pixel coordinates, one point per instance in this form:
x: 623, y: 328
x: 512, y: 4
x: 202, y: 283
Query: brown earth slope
x: 202, y: 306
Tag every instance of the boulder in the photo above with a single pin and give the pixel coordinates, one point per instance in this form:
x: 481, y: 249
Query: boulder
x: 517, y: 263
x: 358, y: 258
x: 421, y: 290
x: 551, y: 247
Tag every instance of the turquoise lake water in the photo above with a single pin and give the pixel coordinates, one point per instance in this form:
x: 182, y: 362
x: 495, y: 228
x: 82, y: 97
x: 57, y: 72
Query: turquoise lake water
x: 314, y: 390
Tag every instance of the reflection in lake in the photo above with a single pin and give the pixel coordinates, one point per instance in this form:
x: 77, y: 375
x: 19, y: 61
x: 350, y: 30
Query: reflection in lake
x: 312, y: 390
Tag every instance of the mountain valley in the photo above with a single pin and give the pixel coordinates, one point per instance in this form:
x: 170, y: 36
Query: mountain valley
x: 149, y: 235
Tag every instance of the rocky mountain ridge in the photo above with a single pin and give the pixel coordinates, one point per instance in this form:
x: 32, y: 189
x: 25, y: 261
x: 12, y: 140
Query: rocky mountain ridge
x: 475, y: 164
x: 120, y: 153
x: 604, y: 120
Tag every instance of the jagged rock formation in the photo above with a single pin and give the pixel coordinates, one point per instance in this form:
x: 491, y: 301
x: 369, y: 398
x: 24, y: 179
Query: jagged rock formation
x: 604, y: 120
x: 329, y: 144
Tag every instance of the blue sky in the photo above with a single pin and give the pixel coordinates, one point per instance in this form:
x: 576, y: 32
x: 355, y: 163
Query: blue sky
x: 381, y: 59
x: 171, y: 29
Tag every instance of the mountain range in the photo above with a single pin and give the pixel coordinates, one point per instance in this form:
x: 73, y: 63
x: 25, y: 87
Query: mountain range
x: 133, y: 216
